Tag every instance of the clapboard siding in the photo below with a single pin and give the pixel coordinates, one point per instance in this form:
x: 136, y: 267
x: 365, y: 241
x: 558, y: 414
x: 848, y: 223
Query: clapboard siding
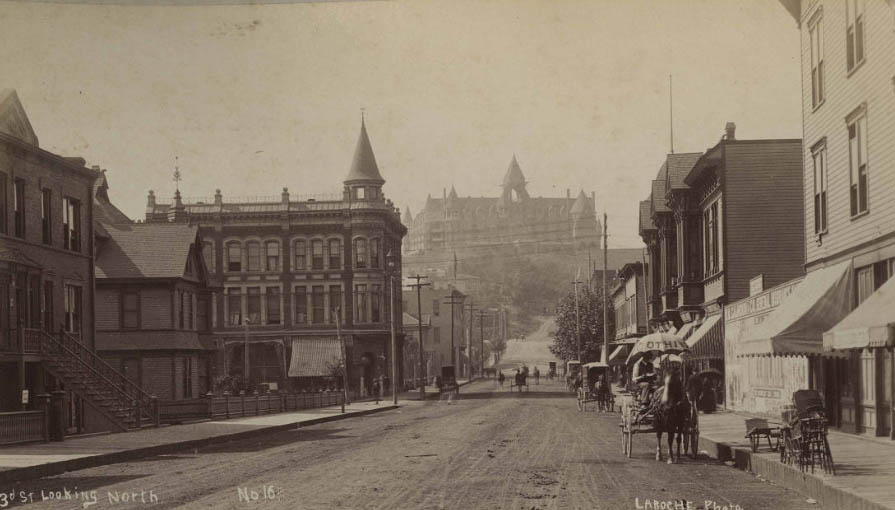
x: 763, y: 213
x: 108, y: 306
x: 155, y: 304
x: 870, y: 84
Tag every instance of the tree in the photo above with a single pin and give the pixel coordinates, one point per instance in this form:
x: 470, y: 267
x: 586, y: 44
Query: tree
x: 565, y: 340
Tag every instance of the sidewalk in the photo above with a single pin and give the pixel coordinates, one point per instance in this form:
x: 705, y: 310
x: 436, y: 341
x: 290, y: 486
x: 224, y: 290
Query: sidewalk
x: 46, y: 459
x: 865, y: 466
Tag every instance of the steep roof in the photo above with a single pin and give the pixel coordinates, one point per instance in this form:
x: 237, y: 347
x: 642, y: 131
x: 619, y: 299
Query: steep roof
x: 104, y: 211
x: 145, y: 250
x: 646, y: 223
x: 678, y: 166
x: 363, y: 166
x: 453, y: 194
x: 581, y: 207
x: 514, y: 175
x: 658, y: 197
x: 13, y: 119
x: 407, y: 216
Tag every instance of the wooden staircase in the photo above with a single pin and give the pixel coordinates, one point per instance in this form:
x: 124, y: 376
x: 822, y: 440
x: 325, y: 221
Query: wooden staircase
x: 104, y: 388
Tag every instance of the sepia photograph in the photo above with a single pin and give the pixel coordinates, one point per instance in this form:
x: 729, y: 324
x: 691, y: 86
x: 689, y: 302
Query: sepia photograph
x: 447, y: 254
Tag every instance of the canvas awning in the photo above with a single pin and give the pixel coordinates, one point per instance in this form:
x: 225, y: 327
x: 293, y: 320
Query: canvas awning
x: 871, y: 324
x: 797, y: 325
x: 685, y: 330
x: 315, y: 356
x: 618, y: 355
x: 707, y: 342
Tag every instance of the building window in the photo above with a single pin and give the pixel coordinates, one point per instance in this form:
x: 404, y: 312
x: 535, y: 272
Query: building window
x: 335, y: 302
x: 73, y: 309
x: 436, y: 335
x: 375, y: 303
x: 272, y: 298
x: 815, y: 34
x: 34, y: 315
x: 130, y: 306
x: 272, y: 249
x: 71, y: 224
x: 819, y: 156
x: 234, y: 306
x: 187, y: 377
x: 854, y: 33
x: 317, y: 254
x: 318, y: 304
x: 18, y: 201
x: 374, y: 253
x: 857, y: 150
x: 710, y: 239
x: 3, y: 204
x: 234, y: 257
x: 201, y: 312
x: 48, y: 306
x: 301, y: 255
x: 46, y: 204
x: 436, y: 307
x: 335, y: 254
x: 360, y: 253
x: 253, y: 305
x: 864, y: 288
x: 208, y: 255
x: 253, y: 256
x: 301, y: 305
x: 360, y: 304
x: 359, y: 193
x: 181, y: 309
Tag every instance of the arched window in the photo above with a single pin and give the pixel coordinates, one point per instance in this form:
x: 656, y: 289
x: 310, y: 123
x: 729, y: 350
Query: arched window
x: 234, y: 256
x: 301, y: 255
x: 335, y: 253
x: 272, y: 249
x: 253, y: 256
x: 374, y: 253
x: 360, y: 253
x: 316, y: 254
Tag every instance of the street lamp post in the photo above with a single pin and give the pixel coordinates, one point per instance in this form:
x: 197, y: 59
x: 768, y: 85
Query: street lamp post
x: 391, y: 265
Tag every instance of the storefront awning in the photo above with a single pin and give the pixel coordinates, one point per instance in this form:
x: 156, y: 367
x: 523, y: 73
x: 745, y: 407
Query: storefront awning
x: 315, y: 356
x: 619, y: 355
x: 685, y: 330
x: 707, y: 342
x: 871, y: 324
x: 797, y: 325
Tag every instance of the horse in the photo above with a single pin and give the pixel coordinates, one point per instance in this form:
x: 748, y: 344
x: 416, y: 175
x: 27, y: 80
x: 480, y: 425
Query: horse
x: 672, y: 415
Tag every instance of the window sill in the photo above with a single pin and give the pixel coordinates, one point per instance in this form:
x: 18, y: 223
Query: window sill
x: 855, y: 68
x: 860, y: 215
x: 818, y: 105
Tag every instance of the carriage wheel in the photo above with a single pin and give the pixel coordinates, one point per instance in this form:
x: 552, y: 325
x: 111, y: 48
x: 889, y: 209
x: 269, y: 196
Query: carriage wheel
x: 624, y: 438
x: 630, y: 442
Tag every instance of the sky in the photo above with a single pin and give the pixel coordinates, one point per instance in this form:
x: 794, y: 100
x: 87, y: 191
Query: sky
x: 253, y: 98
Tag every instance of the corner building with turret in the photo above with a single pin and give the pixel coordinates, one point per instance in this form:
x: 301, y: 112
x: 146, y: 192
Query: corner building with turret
x: 294, y: 275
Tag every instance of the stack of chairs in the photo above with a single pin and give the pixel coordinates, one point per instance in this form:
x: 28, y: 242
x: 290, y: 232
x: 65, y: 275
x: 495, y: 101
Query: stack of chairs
x: 810, y: 424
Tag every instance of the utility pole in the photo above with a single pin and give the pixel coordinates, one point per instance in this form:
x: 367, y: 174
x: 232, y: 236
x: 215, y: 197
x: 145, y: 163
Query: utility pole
x: 454, y: 300
x: 344, y: 354
x: 472, y: 310
x: 391, y: 266
x: 245, y: 369
x: 576, y: 283
x: 482, y: 315
x: 604, y: 355
x: 419, y: 310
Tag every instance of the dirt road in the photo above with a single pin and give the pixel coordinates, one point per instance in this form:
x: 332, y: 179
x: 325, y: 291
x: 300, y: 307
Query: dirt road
x: 490, y: 449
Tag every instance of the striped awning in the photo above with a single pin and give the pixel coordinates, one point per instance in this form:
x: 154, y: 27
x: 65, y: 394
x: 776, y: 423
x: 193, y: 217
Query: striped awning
x: 685, y: 330
x: 708, y: 341
x: 619, y: 355
x: 871, y: 324
x: 315, y: 356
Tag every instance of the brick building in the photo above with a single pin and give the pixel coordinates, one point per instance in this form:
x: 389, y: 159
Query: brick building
x: 46, y: 266
x: 296, y: 273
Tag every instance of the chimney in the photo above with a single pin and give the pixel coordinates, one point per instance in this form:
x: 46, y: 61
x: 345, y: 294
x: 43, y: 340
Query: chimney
x: 730, y: 129
x: 285, y: 196
x: 218, y: 198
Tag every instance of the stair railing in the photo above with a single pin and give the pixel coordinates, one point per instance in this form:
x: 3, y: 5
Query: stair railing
x: 66, y: 344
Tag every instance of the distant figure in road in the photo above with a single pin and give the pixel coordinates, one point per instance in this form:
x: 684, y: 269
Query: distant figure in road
x: 537, y: 376
x: 500, y: 378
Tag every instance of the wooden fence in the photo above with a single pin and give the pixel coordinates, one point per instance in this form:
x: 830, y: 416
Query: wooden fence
x: 23, y: 427
x: 238, y: 406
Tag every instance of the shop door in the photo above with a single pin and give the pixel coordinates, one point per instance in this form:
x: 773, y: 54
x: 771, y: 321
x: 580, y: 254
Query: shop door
x: 848, y: 377
x: 867, y: 391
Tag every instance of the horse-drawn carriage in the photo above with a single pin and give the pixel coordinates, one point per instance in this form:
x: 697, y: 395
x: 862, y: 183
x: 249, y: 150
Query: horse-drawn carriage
x: 668, y: 408
x: 596, y: 387
x: 448, y: 380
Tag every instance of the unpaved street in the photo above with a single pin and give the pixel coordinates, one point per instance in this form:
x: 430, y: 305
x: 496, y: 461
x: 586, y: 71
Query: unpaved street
x: 490, y: 449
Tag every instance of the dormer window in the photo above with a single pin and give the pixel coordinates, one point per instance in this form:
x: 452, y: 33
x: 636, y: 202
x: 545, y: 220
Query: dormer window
x: 360, y: 193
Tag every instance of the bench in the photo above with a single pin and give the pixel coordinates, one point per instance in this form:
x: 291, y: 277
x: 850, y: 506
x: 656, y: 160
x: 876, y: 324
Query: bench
x: 758, y: 428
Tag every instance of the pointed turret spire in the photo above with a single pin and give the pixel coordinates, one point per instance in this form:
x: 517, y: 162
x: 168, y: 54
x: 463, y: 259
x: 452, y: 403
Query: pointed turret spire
x: 453, y: 194
x: 407, y: 216
x: 363, y: 167
x: 581, y: 208
x: 514, y: 175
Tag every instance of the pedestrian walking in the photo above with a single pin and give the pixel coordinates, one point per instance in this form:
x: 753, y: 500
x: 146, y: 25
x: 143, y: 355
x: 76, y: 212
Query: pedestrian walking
x: 537, y: 374
x: 500, y: 379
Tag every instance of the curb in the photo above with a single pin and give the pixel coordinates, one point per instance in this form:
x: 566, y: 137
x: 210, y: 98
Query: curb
x: 57, y: 468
